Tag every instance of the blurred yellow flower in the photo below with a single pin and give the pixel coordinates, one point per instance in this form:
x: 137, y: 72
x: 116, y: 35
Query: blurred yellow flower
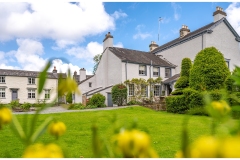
x: 221, y: 107
x: 5, y: 116
x: 57, y: 128
x: 135, y: 143
x: 43, y: 151
x: 230, y: 147
x: 204, y: 147
x: 67, y: 85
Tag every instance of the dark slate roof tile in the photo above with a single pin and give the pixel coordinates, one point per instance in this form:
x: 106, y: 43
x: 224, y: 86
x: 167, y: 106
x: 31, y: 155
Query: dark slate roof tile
x: 172, y: 79
x: 139, y: 57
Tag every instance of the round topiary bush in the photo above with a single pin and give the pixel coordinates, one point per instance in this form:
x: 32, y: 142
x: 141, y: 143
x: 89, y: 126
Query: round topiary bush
x: 209, y: 70
x: 97, y: 100
x: 183, y: 81
x: 119, y: 94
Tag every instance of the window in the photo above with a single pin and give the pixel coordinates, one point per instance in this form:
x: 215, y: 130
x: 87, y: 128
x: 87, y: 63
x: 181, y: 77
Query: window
x: 131, y: 89
x: 227, y: 62
x: 31, y: 80
x: 90, y: 84
x: 167, y: 72
x: 2, y: 79
x: 31, y: 93
x: 2, y: 93
x: 144, y: 90
x: 156, y: 71
x: 47, y: 94
x: 156, y: 90
x: 142, y: 70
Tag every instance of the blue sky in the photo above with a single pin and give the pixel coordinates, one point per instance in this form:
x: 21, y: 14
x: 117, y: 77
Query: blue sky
x: 31, y: 33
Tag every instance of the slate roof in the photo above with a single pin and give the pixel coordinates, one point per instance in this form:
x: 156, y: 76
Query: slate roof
x: 139, y: 57
x: 87, y: 77
x: 172, y: 79
x: 23, y: 73
x: 205, y: 29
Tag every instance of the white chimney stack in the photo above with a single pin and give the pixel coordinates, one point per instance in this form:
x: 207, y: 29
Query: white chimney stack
x: 218, y: 14
x: 108, y: 41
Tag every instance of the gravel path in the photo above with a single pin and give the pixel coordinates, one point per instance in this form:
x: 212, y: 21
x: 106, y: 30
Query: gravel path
x: 59, y: 109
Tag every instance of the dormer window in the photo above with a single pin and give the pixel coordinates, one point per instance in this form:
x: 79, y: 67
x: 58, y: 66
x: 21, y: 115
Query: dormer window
x: 31, y: 80
x: 143, y: 70
x: 2, y: 79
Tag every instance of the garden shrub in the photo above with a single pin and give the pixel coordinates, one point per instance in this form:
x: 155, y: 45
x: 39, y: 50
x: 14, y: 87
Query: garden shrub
x: 197, y: 111
x: 234, y: 98
x: 209, y: 70
x: 183, y: 81
x: 14, y: 104
x: 177, y: 92
x: 193, y: 98
x: 97, y: 100
x: 76, y: 106
x: 119, y: 94
x: 26, y: 106
x: 176, y: 104
x: 69, y: 97
x: 133, y: 102
x: 215, y: 95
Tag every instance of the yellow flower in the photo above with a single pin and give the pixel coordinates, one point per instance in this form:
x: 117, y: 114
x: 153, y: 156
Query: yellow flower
x: 230, y: 147
x: 5, y: 115
x: 204, y: 147
x: 179, y: 154
x: 67, y: 85
x: 57, y: 128
x: 43, y: 151
x: 221, y: 107
x: 135, y: 144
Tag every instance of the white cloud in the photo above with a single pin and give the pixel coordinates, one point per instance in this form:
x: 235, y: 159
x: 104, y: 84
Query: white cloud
x: 118, y: 14
x: 176, y: 8
x: 64, y: 22
x: 63, y: 67
x: 119, y: 44
x: 140, y: 34
x: 233, y: 12
x: 87, y: 53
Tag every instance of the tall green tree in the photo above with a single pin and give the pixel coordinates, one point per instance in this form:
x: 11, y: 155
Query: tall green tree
x: 209, y: 70
x: 96, y: 60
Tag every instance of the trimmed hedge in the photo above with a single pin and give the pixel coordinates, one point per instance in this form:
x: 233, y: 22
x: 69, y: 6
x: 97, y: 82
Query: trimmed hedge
x: 177, y: 92
x: 97, y: 100
x: 182, y: 82
x: 209, y: 70
x: 176, y: 104
x: 186, y: 67
x: 193, y: 98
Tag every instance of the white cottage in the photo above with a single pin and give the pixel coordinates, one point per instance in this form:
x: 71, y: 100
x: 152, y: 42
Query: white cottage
x: 22, y: 85
x: 120, y: 64
x: 219, y: 34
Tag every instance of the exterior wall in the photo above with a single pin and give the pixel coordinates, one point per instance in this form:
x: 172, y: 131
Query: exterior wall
x: 224, y: 40
x: 21, y: 83
x: 188, y: 49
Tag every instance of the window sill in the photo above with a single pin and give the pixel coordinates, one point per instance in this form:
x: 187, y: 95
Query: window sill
x: 2, y: 83
x: 2, y: 97
x: 31, y: 84
x: 142, y: 75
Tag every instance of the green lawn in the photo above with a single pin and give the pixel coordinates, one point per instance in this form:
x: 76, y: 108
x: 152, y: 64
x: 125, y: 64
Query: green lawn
x: 164, y: 129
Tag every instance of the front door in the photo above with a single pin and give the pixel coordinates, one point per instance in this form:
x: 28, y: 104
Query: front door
x: 14, y: 95
x: 109, y: 99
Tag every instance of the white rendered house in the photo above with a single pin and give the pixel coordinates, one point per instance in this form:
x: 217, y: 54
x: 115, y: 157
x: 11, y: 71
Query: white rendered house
x: 120, y: 64
x: 21, y: 85
x: 219, y: 34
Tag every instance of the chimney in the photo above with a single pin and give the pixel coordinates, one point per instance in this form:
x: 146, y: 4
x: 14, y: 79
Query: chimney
x: 153, y: 45
x: 82, y: 74
x: 184, y: 31
x: 54, y: 70
x: 75, y: 73
x: 108, y: 41
x: 218, y: 14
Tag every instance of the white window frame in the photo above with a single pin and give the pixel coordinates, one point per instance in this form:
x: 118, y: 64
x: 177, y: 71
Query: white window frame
x: 142, y: 70
x: 156, y: 70
x: 167, y: 74
x: 131, y: 89
x: 47, y: 94
x: 144, y: 89
x: 2, y: 93
x: 31, y: 80
x: 156, y: 90
x: 31, y: 93
x: 2, y: 79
